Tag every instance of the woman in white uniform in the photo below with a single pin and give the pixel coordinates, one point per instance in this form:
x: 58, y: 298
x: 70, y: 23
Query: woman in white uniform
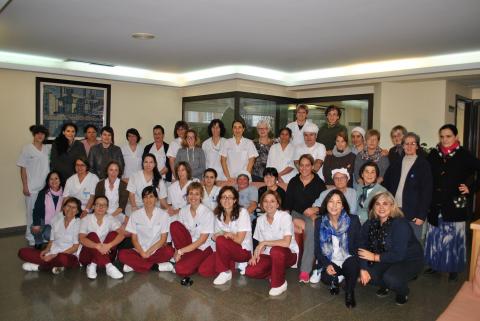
x: 177, y: 191
x: 233, y: 238
x: 296, y: 126
x: 148, y: 176
x: 82, y: 185
x: 179, y: 132
x: 99, y: 235
x: 191, y: 233
x: 277, y: 249
x: 149, y: 228
x: 281, y: 156
x: 213, y: 145
x: 34, y: 167
x: 115, y: 190
x: 210, y: 189
x: 60, y: 251
x: 238, y: 153
x: 132, y: 153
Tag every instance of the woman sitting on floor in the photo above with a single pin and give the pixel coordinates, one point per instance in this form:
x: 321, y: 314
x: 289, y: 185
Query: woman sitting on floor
x: 60, y: 251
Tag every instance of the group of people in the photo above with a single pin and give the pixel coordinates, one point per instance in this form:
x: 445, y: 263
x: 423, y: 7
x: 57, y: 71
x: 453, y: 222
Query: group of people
x: 340, y: 212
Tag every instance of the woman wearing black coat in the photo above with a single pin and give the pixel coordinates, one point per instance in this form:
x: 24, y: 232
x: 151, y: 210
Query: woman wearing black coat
x: 337, y: 236
x: 453, y: 168
x: 409, y: 179
x: 390, y: 253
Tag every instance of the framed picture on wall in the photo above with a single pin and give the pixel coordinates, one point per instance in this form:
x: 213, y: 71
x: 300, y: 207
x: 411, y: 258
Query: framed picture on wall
x: 59, y: 101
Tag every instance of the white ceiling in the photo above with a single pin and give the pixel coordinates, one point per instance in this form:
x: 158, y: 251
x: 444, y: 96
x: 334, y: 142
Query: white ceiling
x: 285, y: 35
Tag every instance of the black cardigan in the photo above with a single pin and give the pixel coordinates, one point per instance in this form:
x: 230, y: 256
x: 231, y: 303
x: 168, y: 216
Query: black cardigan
x: 353, y: 240
x: 146, y: 150
x: 401, y: 245
x: 448, y: 173
x: 417, y: 191
x: 298, y: 197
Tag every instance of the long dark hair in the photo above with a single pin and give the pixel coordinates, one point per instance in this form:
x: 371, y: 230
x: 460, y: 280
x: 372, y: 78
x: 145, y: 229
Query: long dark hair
x: 156, y: 173
x: 47, y: 187
x: 219, y: 210
x: 346, y: 207
x: 61, y: 142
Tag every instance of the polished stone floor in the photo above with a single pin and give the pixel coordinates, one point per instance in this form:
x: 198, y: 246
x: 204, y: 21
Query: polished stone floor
x: 159, y: 296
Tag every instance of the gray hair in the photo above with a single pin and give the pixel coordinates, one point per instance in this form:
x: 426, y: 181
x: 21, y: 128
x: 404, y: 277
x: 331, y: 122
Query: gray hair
x: 412, y: 135
x: 264, y: 122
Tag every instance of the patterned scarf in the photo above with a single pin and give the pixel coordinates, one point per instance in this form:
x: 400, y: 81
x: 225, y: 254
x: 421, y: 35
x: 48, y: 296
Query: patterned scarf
x: 327, y: 231
x: 374, y: 158
x: 448, y: 151
x: 363, y: 196
x: 377, y: 234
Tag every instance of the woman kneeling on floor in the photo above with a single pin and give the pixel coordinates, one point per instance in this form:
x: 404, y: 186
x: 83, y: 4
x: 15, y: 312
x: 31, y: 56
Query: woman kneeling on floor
x: 233, y: 238
x: 191, y: 233
x: 337, y: 235
x: 391, y: 254
x: 59, y: 253
x: 277, y: 249
x: 99, y: 235
x: 149, y: 227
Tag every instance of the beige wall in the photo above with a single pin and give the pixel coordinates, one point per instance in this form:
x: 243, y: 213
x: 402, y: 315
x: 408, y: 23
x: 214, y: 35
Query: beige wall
x: 454, y: 89
x: 419, y: 106
x: 132, y: 105
x: 476, y: 93
x: 237, y: 85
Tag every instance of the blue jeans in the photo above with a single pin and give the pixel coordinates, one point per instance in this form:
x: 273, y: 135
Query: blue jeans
x: 43, y: 236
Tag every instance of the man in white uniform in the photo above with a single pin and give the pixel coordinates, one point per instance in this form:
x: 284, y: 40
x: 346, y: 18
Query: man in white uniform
x: 310, y: 146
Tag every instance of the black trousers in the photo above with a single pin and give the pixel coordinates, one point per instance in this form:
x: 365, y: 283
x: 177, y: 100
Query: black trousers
x: 395, y: 276
x: 350, y: 269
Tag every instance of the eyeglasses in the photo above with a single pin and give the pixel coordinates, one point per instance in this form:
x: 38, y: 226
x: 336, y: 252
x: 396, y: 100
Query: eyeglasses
x: 70, y: 207
x: 340, y: 178
x: 410, y: 144
x: 227, y: 198
x: 101, y: 205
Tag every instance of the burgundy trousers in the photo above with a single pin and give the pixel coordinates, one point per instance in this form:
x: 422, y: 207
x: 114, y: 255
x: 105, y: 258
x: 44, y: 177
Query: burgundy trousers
x: 88, y: 255
x: 32, y: 255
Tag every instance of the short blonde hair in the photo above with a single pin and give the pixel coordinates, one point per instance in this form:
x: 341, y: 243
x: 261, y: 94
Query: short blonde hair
x: 395, y: 212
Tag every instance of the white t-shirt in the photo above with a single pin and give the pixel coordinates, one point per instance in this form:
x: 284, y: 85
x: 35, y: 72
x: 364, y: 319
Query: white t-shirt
x: 297, y: 133
x: 282, y: 158
x: 177, y: 196
x: 133, y: 160
x: 63, y: 238
x: 112, y: 195
x: 137, y: 183
x: 160, y: 156
x: 317, y: 151
x: 238, y: 154
x: 89, y: 224
x: 338, y: 255
x: 202, y: 223
x: 282, y: 225
x: 37, y: 164
x: 82, y: 190
x: 149, y: 230
x: 212, y: 156
x: 210, y: 200
x: 242, y: 224
x: 174, y: 146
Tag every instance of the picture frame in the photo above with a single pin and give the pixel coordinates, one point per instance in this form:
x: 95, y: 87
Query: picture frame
x: 59, y: 101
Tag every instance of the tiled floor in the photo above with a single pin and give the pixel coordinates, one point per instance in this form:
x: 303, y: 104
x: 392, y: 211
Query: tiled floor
x: 159, y: 296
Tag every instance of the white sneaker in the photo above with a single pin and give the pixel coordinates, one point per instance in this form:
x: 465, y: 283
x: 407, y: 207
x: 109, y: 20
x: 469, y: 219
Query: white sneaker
x: 92, y: 271
x: 165, y: 267
x: 113, y: 272
x: 316, y: 275
x: 223, y: 278
x: 127, y: 268
x: 277, y: 291
x: 242, y: 267
x: 30, y: 267
x: 57, y: 270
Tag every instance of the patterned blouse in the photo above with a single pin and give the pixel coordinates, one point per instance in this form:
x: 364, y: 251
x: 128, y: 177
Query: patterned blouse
x: 261, y: 160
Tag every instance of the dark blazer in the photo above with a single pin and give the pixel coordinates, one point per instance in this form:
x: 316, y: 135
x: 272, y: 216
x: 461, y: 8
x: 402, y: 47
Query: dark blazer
x: 146, y: 150
x: 65, y: 163
x: 122, y: 193
x: 401, y: 245
x: 448, y: 173
x: 417, y: 190
x: 353, y: 240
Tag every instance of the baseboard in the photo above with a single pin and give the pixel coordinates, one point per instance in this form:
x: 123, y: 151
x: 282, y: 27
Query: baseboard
x: 10, y: 231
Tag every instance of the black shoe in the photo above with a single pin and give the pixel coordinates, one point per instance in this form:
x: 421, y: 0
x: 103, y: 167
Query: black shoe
x: 429, y: 271
x: 186, y: 281
x: 334, y: 288
x: 382, y: 292
x: 350, y: 299
x: 38, y: 246
x: 401, y: 299
x: 453, y: 276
